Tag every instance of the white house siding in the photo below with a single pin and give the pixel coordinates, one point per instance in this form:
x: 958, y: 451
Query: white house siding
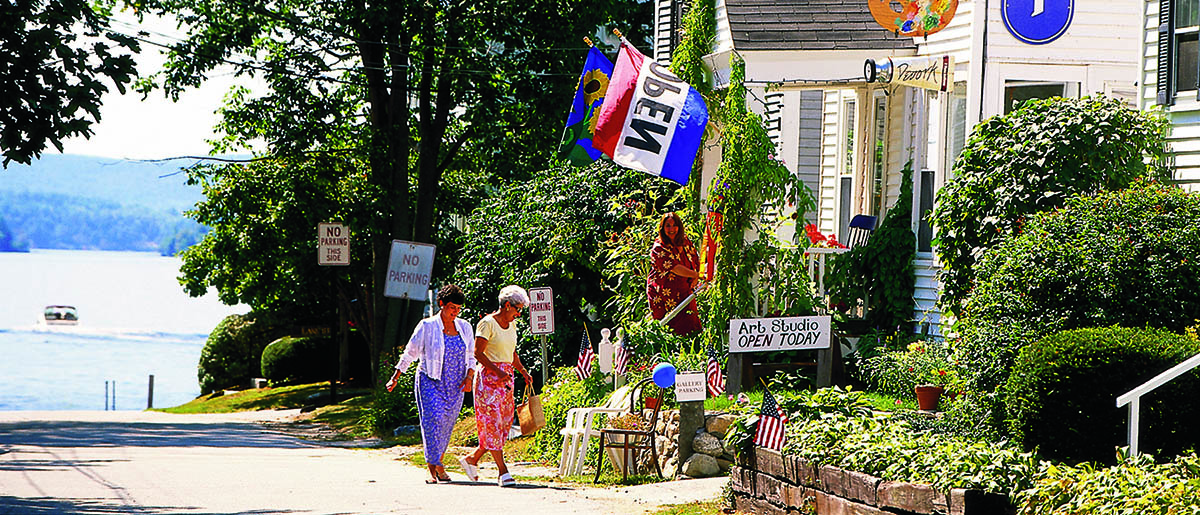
x: 1183, y: 140
x: 1100, y: 51
x: 832, y: 148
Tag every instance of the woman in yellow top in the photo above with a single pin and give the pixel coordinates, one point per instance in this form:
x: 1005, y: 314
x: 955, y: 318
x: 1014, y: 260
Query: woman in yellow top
x: 496, y: 353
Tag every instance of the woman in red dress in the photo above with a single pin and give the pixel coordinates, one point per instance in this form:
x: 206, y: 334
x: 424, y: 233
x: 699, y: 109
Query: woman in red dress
x: 673, y: 275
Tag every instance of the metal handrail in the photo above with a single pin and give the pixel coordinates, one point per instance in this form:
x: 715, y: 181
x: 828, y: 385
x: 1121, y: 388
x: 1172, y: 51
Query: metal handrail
x: 1134, y: 397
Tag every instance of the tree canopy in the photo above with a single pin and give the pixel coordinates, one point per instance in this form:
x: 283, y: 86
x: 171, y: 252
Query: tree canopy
x: 425, y: 97
x: 54, y: 59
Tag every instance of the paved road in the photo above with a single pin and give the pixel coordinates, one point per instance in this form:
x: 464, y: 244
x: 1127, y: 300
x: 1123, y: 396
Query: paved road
x: 131, y: 462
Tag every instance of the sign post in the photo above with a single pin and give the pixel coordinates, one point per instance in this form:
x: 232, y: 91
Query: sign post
x: 690, y: 390
x: 788, y: 333
x: 541, y: 320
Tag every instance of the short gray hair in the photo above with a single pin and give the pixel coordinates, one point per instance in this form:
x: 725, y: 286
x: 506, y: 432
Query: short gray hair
x: 514, y: 295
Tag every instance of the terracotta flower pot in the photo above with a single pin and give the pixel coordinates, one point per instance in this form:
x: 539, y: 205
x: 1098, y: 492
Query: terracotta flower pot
x: 927, y: 397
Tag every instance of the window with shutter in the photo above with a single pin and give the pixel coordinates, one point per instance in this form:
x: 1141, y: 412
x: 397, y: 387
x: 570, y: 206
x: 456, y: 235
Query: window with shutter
x: 1186, y: 33
x: 1178, y: 50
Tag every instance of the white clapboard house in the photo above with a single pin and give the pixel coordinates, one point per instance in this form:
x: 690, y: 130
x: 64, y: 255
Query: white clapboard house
x: 849, y: 139
x: 1169, y: 71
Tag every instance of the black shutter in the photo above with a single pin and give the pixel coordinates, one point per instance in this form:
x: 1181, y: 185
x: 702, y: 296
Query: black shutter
x: 678, y: 12
x: 1166, y: 37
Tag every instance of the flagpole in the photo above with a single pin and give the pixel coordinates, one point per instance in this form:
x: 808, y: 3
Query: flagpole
x: 680, y: 307
x: 588, y: 41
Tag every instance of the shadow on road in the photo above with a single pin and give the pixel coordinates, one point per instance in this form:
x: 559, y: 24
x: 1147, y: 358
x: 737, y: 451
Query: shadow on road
x: 57, y: 506
x: 112, y: 434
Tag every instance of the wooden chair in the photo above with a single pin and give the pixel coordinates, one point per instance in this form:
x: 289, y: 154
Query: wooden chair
x: 633, y: 439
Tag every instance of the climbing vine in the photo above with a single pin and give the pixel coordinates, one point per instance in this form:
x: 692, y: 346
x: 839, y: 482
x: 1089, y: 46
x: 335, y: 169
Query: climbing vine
x: 751, y: 187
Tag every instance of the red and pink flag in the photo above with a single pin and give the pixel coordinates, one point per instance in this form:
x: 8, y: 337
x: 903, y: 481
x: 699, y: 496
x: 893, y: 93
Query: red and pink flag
x: 651, y: 120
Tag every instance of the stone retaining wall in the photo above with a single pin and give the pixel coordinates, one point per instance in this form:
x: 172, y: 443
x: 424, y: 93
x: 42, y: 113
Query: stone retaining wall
x: 709, y: 458
x: 765, y: 482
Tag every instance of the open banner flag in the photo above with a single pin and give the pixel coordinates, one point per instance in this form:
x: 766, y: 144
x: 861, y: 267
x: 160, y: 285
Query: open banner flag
x: 651, y: 120
x: 576, y: 143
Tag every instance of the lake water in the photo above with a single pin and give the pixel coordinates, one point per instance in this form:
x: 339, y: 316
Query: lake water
x: 134, y: 320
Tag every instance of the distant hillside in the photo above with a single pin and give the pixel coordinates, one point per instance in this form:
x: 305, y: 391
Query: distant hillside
x: 156, y: 186
x: 80, y: 202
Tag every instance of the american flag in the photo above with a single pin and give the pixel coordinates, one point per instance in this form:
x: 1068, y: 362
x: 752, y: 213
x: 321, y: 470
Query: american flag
x: 770, y: 423
x: 716, y: 383
x: 583, y: 367
x: 621, y: 358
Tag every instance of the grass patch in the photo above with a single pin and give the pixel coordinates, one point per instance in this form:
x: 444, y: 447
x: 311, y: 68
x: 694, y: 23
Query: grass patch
x: 284, y: 397
x: 695, y: 508
x: 884, y: 402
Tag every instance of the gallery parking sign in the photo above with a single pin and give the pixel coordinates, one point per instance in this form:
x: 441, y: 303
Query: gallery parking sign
x: 1037, y: 22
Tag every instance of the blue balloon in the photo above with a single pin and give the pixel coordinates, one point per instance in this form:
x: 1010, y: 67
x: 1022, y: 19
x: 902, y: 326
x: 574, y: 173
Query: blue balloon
x: 664, y: 375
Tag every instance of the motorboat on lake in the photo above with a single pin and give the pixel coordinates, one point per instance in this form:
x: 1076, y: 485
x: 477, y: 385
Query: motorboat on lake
x: 59, y: 315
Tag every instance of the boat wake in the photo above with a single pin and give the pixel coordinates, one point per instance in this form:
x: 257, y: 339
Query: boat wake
x: 109, y: 333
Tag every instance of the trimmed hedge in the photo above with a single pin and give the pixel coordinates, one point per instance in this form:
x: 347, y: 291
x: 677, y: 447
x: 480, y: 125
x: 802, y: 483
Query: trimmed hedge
x: 1128, y: 258
x: 1061, y: 396
x: 291, y: 360
x: 232, y: 352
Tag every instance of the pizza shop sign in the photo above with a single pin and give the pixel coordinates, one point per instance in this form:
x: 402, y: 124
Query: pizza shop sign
x: 775, y: 334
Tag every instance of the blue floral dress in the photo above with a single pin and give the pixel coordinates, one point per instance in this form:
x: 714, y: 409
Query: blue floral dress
x: 440, y: 401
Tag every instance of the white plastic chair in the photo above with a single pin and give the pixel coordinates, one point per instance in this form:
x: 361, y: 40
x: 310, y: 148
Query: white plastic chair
x: 579, y: 431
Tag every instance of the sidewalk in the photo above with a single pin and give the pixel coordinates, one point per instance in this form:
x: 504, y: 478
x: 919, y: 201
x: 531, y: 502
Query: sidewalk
x: 106, y: 462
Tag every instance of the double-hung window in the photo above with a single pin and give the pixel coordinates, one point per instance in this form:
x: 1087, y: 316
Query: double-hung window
x: 1178, y: 50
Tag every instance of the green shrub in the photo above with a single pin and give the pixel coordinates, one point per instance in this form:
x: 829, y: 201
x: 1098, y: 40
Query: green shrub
x: 1062, y: 392
x: 882, y: 270
x: 1135, y: 486
x: 1032, y: 160
x: 1128, y: 258
x: 893, y: 450
x: 922, y: 362
x: 389, y: 410
x: 836, y: 427
x: 291, y: 360
x: 232, y: 353
x: 566, y: 392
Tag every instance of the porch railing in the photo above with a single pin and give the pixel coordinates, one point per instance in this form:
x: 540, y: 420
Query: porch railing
x: 1134, y: 397
x: 817, y: 256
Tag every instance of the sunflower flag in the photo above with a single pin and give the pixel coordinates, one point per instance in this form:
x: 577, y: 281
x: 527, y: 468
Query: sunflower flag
x: 581, y: 124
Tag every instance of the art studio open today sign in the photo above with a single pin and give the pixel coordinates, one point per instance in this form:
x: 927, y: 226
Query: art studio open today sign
x: 773, y: 334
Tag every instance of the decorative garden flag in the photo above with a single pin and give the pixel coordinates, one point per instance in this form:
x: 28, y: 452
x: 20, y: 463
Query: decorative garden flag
x: 771, y: 420
x: 713, y: 378
x: 583, y: 367
x: 621, y: 359
x: 576, y: 143
x: 651, y: 120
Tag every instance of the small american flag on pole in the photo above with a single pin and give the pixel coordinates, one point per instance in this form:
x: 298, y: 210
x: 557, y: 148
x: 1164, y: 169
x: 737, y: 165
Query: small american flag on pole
x: 621, y: 359
x: 716, y: 383
x: 770, y: 423
x: 583, y: 367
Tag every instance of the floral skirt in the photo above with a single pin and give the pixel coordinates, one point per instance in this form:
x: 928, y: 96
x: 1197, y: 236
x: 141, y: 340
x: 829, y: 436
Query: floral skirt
x: 494, y: 406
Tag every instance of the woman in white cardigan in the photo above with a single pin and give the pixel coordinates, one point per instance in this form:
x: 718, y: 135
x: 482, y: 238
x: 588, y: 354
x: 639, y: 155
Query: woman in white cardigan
x: 445, y: 346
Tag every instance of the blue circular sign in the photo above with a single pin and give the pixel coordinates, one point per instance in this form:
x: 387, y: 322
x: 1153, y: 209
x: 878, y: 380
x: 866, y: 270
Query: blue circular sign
x: 1037, y: 22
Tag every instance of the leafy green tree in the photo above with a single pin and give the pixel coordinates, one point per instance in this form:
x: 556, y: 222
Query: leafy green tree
x: 412, y: 86
x: 548, y: 232
x: 54, y: 58
x: 1032, y: 160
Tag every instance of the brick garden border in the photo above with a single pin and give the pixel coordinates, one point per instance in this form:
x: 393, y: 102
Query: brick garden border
x: 766, y: 482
